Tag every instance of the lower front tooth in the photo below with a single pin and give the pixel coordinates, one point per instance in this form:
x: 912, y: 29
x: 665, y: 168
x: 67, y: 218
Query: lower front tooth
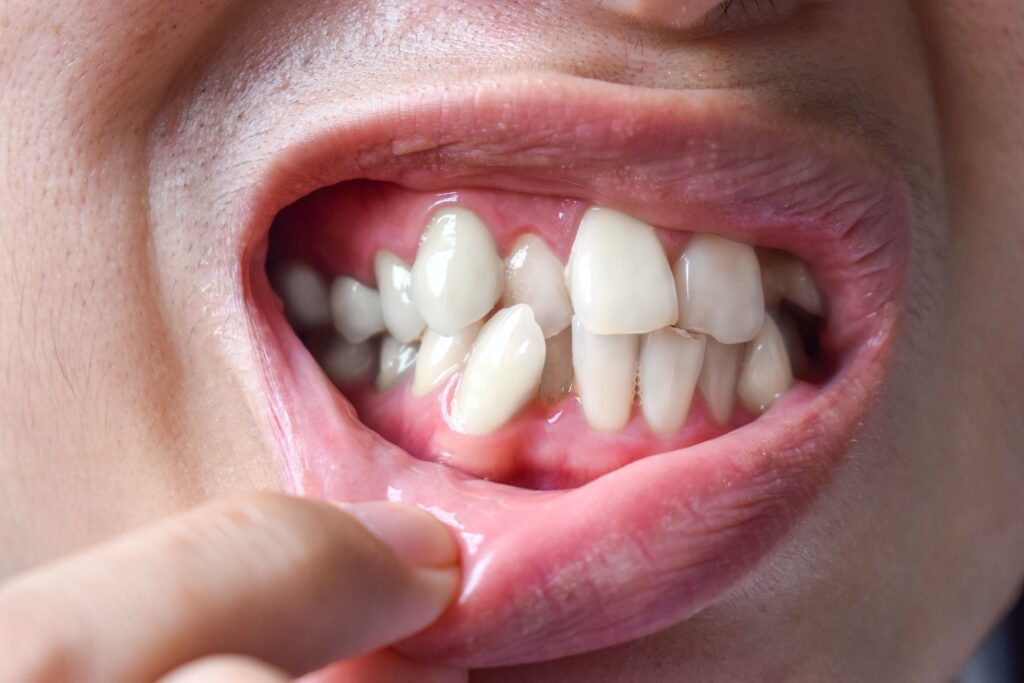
x: 766, y: 370
x: 718, y: 378
x: 670, y: 362
x: 503, y: 371
x: 356, y: 310
x: 346, y: 363
x: 396, y: 359
x: 441, y: 356
x: 556, y: 381
x: 605, y: 367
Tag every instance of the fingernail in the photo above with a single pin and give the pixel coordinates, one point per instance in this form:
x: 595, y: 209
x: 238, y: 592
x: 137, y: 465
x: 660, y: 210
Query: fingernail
x: 416, y: 537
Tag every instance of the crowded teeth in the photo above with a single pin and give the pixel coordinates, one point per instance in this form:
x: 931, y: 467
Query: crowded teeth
x: 458, y: 275
x: 304, y: 294
x: 556, y: 380
x: 534, y: 276
x: 670, y: 362
x: 605, y: 372
x: 787, y: 277
x: 441, y: 356
x: 356, y: 310
x: 394, y: 280
x: 503, y: 371
x: 347, y: 363
x: 619, y: 279
x: 718, y: 378
x: 396, y: 358
x: 766, y: 370
x: 719, y: 288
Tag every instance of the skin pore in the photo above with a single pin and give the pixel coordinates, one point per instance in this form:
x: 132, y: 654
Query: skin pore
x: 131, y: 388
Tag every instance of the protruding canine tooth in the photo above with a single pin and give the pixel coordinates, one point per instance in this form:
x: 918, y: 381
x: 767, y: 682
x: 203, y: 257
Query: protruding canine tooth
x: 394, y: 279
x: 355, y: 309
x: 605, y: 367
x: 503, y: 371
x: 534, y: 276
x: 458, y: 276
x: 619, y: 278
x: 396, y: 359
x: 556, y: 381
x: 441, y: 356
x: 347, y: 363
x: 720, y: 291
x: 766, y: 371
x: 304, y: 294
x: 670, y: 362
x: 718, y: 378
x: 787, y: 277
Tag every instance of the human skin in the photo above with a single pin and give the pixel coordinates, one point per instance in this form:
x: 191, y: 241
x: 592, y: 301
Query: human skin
x: 131, y: 387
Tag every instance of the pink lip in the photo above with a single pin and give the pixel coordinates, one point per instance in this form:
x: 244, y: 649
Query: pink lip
x: 549, y: 574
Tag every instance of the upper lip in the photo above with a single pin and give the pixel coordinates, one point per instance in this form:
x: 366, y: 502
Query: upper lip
x: 556, y: 573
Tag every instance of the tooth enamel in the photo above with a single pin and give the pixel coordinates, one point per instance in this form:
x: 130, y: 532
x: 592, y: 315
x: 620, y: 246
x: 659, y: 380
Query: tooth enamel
x: 346, y: 363
x: 718, y: 378
x: 396, y: 359
x: 394, y: 279
x: 605, y: 375
x: 355, y: 309
x: 786, y: 277
x: 670, y: 362
x: 795, y: 351
x: 458, y: 276
x: 304, y: 294
x: 766, y: 371
x: 556, y: 380
x: 441, y: 356
x: 534, y: 276
x: 619, y: 279
x: 719, y: 288
x: 503, y: 371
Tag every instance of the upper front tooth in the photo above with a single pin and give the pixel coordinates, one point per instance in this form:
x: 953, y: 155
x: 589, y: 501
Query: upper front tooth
x: 670, y: 361
x: 458, y: 276
x: 605, y: 367
x: 718, y: 378
x: 441, y: 356
x: 619, y: 279
x: 356, y: 310
x: 304, y: 294
x: 394, y: 279
x: 534, y: 276
x: 503, y: 371
x: 720, y: 291
x: 787, y: 277
x: 395, y: 360
x: 766, y: 370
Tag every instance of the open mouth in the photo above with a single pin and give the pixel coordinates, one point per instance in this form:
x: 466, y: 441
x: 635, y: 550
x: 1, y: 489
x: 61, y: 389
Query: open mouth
x: 617, y: 338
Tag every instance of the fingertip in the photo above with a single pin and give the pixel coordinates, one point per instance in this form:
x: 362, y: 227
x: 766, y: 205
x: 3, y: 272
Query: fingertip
x: 415, y: 536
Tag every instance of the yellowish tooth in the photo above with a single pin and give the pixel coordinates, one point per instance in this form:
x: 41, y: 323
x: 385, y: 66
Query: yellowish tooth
x: 534, y: 276
x: 605, y: 371
x: 356, y: 310
x: 304, y: 294
x: 556, y: 381
x: 718, y: 378
x: 441, y: 356
x: 396, y: 359
x: 766, y: 372
x: 670, y: 362
x: 394, y: 279
x: 786, y: 277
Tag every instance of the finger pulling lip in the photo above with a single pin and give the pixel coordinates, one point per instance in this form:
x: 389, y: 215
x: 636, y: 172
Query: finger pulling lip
x: 549, y: 574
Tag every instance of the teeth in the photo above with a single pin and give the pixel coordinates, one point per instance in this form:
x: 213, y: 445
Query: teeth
x: 396, y: 359
x: 766, y: 372
x: 440, y: 357
x: 304, y: 294
x: 718, y: 378
x: 787, y: 277
x: 798, y: 358
x: 670, y: 362
x: 394, y: 279
x: 619, y: 279
x: 534, y: 276
x: 605, y: 368
x: 720, y: 290
x: 458, y: 276
x: 356, y: 310
x: 347, y: 363
x: 503, y: 371
x: 556, y: 381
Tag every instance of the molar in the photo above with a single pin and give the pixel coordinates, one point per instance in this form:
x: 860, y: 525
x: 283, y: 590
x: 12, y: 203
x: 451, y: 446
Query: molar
x: 605, y: 369
x: 534, y: 276
x: 766, y: 370
x: 670, y: 362
x: 347, y: 363
x: 441, y: 356
x: 304, y: 294
x: 356, y: 310
x: 394, y: 279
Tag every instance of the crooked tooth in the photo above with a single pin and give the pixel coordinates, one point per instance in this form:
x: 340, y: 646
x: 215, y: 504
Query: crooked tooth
x: 396, y: 358
x: 556, y: 380
x: 441, y: 356
x: 458, y: 276
x: 718, y: 377
x: 619, y: 279
x: 670, y: 362
x: 719, y: 288
x: 394, y: 279
x: 534, y: 276
x: 356, y: 310
x: 347, y: 363
x: 766, y: 371
x: 304, y: 294
x: 503, y: 371
x: 605, y: 371
x: 787, y: 277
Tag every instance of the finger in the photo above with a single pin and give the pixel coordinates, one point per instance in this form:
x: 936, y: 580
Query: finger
x: 226, y: 669
x: 292, y: 582
x: 387, y: 666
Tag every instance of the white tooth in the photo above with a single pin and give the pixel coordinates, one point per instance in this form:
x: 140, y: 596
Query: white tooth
x: 458, y: 276
x: 304, y: 294
x: 766, y: 372
x: 394, y: 279
x: 503, y: 371
x: 347, y: 363
x: 619, y: 278
x: 670, y: 362
x: 441, y: 356
x: 718, y: 378
x: 534, y: 276
x: 787, y: 277
x: 396, y: 359
x: 720, y: 291
x: 605, y: 367
x: 556, y: 381
x: 798, y: 359
x: 356, y: 310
